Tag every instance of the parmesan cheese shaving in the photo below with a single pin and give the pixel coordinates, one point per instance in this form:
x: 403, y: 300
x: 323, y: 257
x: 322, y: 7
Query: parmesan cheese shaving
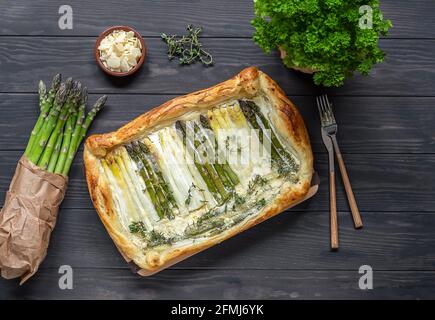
x: 120, y: 51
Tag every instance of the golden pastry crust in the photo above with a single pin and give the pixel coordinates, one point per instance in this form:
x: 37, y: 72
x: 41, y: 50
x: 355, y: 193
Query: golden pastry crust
x: 248, y: 83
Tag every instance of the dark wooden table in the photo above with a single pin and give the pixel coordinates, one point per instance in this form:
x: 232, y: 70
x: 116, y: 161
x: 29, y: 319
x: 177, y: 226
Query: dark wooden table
x: 386, y: 130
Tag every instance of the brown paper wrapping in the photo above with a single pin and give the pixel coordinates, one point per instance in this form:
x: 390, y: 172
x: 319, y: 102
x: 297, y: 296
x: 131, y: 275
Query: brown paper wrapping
x: 28, y: 218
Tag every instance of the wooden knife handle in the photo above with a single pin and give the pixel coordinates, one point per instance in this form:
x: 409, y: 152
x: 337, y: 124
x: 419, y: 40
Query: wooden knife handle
x: 333, y: 211
x: 357, y: 221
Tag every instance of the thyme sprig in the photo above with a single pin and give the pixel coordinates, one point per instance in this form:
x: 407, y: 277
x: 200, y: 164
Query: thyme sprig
x: 189, y: 194
x: 153, y: 238
x: 187, y: 48
x: 257, y: 181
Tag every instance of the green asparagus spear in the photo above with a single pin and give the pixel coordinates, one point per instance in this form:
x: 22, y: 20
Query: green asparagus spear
x: 66, y: 141
x: 82, y: 130
x: 225, y: 166
x: 75, y: 103
x: 63, y: 152
x: 57, y: 147
x: 68, y: 111
x: 220, y: 168
x: 251, y: 109
x: 147, y: 180
x: 199, y: 166
x: 75, y: 137
x: 48, y: 125
x: 219, y: 180
x: 252, y: 119
x: 49, y: 148
x: 91, y: 115
x: 51, y: 95
x: 273, y: 136
x: 152, y: 165
x: 42, y: 92
x: 216, y: 166
x: 45, y: 108
x: 154, y: 180
x: 213, y: 183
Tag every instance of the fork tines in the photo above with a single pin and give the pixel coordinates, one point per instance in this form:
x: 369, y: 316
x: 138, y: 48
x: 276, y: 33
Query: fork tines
x: 325, y: 110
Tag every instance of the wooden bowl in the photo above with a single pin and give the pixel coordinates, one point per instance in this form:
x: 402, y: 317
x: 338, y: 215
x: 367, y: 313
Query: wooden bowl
x: 97, y: 52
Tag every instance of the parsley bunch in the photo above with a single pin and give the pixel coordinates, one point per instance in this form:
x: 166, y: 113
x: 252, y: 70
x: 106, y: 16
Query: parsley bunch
x: 323, y: 36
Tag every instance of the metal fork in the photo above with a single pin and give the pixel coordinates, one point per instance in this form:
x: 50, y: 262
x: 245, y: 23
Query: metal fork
x: 329, y: 127
x: 332, y: 197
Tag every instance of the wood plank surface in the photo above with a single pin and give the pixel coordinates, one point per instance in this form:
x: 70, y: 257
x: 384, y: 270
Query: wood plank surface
x: 366, y: 124
x: 294, y: 240
x: 406, y: 60
x: 224, y: 18
x: 224, y: 284
x: 386, y: 134
x: 380, y: 182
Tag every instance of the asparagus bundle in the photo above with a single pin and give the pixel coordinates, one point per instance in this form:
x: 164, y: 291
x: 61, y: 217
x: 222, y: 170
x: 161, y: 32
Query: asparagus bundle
x: 39, y: 184
x: 61, y: 125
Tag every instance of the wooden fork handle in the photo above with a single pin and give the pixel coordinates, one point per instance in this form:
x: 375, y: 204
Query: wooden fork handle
x: 357, y: 221
x: 333, y: 211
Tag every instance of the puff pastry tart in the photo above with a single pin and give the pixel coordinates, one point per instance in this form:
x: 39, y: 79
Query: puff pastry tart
x: 199, y: 169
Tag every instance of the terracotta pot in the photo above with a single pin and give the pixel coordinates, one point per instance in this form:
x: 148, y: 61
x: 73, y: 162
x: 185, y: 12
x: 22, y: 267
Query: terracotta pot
x: 283, y: 54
